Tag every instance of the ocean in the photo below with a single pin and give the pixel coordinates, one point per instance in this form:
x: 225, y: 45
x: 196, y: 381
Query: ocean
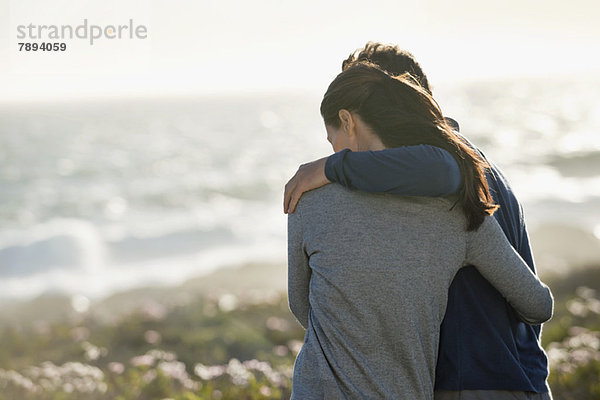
x: 99, y: 196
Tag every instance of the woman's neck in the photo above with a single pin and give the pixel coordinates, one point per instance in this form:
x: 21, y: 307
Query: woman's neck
x: 366, y: 138
x: 370, y: 142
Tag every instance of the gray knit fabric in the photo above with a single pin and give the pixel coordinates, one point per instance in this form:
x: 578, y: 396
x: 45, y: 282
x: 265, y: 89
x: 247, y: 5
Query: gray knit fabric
x: 368, y: 277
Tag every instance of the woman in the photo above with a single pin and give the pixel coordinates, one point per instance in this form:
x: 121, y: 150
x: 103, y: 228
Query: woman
x: 369, y: 274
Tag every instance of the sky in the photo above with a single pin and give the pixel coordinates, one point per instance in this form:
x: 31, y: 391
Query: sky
x: 199, y: 47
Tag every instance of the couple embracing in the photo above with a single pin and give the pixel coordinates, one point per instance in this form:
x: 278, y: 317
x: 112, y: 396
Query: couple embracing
x: 412, y: 274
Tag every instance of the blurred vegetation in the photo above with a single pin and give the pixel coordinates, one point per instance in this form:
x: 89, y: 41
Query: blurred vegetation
x: 226, y: 346
x: 187, y: 351
x: 572, y: 337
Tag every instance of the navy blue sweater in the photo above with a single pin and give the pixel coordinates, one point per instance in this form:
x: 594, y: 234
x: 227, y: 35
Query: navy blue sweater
x: 483, y: 343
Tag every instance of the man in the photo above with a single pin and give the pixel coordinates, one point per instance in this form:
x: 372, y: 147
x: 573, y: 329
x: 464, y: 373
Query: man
x: 486, y: 351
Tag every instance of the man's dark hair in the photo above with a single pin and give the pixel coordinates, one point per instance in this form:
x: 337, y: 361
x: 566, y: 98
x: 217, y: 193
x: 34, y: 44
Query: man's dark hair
x: 391, y: 59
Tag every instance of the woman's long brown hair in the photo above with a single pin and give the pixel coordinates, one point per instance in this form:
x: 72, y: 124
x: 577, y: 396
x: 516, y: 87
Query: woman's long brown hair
x: 402, y: 113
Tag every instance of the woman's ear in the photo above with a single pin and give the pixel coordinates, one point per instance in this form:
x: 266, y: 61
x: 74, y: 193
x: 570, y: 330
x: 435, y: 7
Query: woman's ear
x: 346, y: 122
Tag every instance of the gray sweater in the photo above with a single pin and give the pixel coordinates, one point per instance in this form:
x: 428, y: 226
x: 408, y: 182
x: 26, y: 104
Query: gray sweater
x: 368, y: 277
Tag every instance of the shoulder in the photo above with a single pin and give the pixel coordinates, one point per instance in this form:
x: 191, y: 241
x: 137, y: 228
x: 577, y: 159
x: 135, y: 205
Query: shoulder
x: 332, y: 197
x: 323, y: 196
x: 499, y: 185
x: 316, y: 204
x: 503, y: 193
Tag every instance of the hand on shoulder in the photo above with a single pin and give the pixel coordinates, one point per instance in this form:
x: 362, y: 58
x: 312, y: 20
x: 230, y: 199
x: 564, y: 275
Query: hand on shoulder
x: 308, y: 177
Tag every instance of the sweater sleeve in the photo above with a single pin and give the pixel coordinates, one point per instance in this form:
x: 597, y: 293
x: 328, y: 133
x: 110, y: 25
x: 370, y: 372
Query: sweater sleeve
x: 298, y: 270
x: 421, y: 170
x: 524, y: 247
x: 494, y: 257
